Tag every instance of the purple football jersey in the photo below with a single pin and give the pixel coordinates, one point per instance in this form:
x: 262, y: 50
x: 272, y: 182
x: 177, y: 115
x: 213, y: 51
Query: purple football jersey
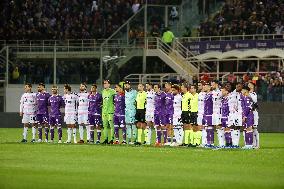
x: 42, y: 102
x: 159, y: 102
x: 247, y: 110
x: 169, y: 103
x: 225, y: 107
x: 119, y: 104
x: 55, y: 102
x: 95, y: 104
x: 208, y: 104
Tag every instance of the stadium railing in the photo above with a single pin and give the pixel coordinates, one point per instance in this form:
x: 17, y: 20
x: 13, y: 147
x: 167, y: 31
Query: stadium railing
x: 231, y: 37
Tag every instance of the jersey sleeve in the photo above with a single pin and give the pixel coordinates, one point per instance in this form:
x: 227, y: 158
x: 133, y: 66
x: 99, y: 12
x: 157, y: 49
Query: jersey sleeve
x: 22, y: 103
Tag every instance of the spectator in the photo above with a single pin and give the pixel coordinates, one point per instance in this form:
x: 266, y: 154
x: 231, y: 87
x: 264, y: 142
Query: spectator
x: 15, y: 75
x: 135, y: 6
x: 168, y: 37
x: 173, y: 15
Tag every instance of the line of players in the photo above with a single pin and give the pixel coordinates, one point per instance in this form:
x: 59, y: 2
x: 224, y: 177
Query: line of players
x: 181, y: 115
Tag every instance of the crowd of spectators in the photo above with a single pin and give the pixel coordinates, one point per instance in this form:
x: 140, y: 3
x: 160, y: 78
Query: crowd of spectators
x: 66, y: 19
x: 245, y: 17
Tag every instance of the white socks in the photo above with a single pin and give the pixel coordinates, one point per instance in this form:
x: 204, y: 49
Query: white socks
x: 203, y: 137
x: 34, y: 132
x: 74, y: 135
x: 235, y: 137
x: 81, y: 131
x: 255, y: 138
x: 25, y: 133
x: 181, y: 134
x: 149, y: 137
x: 88, y: 132
x: 69, y: 134
x: 221, y: 137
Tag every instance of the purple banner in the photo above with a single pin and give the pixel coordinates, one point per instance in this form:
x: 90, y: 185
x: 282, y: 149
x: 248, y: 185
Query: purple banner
x: 223, y: 46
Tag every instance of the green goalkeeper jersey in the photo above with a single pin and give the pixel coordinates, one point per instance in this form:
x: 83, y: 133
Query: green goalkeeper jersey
x: 108, y: 101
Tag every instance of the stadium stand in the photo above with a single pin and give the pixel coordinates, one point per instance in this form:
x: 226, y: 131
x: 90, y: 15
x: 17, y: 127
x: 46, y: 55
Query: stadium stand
x: 242, y: 17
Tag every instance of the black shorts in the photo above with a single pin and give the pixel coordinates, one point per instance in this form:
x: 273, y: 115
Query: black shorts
x: 185, y: 118
x: 140, y: 115
x: 193, y: 118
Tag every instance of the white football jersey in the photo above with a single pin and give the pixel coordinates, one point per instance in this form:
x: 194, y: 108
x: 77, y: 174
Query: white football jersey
x: 177, y: 104
x: 71, y: 101
x: 28, y: 104
x: 83, y: 103
x: 201, y: 97
x: 217, y: 98
x: 150, y: 103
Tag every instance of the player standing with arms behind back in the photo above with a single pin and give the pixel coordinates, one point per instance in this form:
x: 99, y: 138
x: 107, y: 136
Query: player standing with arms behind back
x: 83, y: 112
x: 70, y: 118
x: 107, y: 112
x: 55, y: 102
x: 130, y: 111
x: 28, y: 111
x: 42, y: 111
x: 149, y: 116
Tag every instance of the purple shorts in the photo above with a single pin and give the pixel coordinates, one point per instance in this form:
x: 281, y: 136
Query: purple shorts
x: 249, y: 121
x: 55, y: 120
x: 95, y: 119
x: 41, y: 118
x: 169, y: 119
x: 159, y: 119
x: 207, y: 120
x: 224, y: 122
x: 119, y: 119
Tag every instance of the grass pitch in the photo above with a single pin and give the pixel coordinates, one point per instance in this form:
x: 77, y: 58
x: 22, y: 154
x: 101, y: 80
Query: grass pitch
x: 97, y: 166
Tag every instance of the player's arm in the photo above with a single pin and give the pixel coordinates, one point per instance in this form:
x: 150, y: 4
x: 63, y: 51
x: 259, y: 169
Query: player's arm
x: 21, y: 105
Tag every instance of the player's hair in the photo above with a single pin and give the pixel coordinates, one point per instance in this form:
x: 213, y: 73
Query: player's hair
x: 85, y: 84
x: 141, y: 84
x: 107, y: 80
x: 29, y: 85
x: 42, y: 84
x: 94, y: 85
x: 176, y: 87
x: 252, y: 84
x: 149, y: 84
x: 185, y: 85
x: 227, y: 87
x: 54, y: 86
x: 195, y: 87
x: 159, y: 86
x: 68, y: 87
x: 246, y: 88
x: 215, y: 81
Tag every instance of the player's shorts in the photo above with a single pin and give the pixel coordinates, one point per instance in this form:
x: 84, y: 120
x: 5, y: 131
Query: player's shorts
x: 95, y: 120
x: 83, y: 119
x: 119, y: 120
x: 193, y: 118
x: 70, y: 119
x: 130, y: 115
x: 208, y: 120
x: 169, y: 119
x: 216, y: 119
x: 224, y: 122
x: 185, y: 118
x: 41, y: 118
x: 29, y: 118
x: 149, y: 116
x: 177, y: 119
x: 159, y: 119
x: 235, y: 119
x: 200, y: 120
x: 140, y: 115
x: 249, y: 121
x: 55, y: 120
x: 255, y: 118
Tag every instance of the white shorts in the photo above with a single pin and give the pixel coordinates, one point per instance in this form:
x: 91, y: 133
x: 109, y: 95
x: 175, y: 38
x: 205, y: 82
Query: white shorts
x: 200, y: 119
x: 149, y: 116
x: 177, y: 120
x: 70, y: 119
x: 235, y: 119
x: 83, y: 119
x: 27, y: 118
x: 216, y: 119
x: 255, y: 118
